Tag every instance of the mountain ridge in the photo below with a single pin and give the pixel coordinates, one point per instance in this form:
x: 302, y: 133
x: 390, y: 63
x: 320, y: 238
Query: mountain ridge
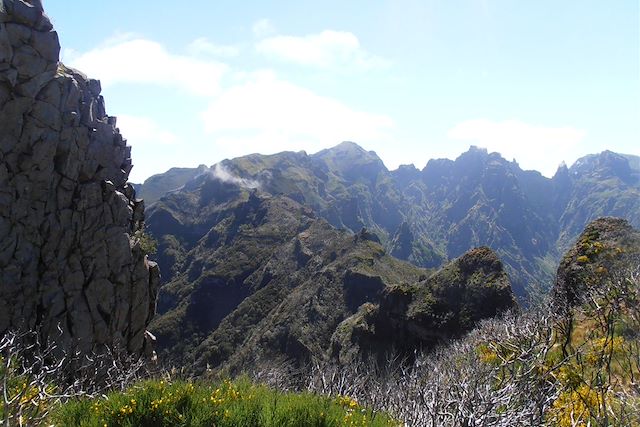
x: 450, y: 206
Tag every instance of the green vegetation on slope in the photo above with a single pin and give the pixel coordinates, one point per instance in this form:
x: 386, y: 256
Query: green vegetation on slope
x: 421, y: 315
x: 556, y: 364
x: 269, y: 280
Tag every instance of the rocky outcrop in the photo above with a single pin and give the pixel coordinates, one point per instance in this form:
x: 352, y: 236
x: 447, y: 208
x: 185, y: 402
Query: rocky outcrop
x: 608, y: 249
x: 421, y: 315
x: 70, y: 257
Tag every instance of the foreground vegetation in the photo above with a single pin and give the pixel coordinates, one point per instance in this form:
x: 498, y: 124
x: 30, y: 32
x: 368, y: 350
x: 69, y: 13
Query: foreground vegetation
x: 546, y: 366
x: 529, y: 368
x: 42, y: 387
x: 571, y: 364
x: 237, y: 403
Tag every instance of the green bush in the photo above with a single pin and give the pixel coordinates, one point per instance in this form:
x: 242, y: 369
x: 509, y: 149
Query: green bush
x: 237, y: 403
x: 148, y: 244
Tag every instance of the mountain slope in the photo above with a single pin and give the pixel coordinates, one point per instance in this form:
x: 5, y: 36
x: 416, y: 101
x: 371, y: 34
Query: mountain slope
x: 599, y: 185
x: 267, y: 279
x: 605, y: 251
x: 157, y: 185
x: 421, y: 315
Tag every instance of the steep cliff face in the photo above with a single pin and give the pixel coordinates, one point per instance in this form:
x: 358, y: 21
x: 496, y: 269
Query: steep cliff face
x: 70, y: 259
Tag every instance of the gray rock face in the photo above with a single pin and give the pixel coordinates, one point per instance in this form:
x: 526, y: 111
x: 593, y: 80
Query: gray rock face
x: 70, y: 258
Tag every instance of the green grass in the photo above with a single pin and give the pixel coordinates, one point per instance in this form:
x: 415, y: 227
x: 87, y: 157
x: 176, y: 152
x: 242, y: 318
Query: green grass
x: 238, y: 403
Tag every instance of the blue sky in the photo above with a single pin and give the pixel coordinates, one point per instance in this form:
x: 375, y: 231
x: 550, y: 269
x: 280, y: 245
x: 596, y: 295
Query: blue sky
x: 196, y: 82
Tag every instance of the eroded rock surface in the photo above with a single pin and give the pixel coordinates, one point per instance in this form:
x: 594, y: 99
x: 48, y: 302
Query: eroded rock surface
x: 69, y: 256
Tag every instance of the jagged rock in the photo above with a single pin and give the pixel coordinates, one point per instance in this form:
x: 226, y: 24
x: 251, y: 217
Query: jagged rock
x: 69, y: 258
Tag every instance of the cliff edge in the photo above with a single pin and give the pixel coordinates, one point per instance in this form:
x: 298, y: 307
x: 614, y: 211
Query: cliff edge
x: 70, y: 256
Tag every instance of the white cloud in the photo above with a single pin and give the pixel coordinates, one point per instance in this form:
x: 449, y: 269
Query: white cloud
x: 263, y: 28
x: 267, y: 114
x: 534, y: 147
x: 247, y: 111
x: 220, y: 172
x: 144, y: 131
x: 142, y: 61
x: 154, y: 148
x: 204, y: 46
x: 325, y: 50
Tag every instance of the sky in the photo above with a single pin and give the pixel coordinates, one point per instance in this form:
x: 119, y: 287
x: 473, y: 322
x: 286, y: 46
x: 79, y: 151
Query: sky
x: 196, y: 82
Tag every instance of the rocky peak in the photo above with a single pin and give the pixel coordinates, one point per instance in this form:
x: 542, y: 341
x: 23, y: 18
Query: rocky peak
x: 406, y: 174
x: 351, y: 161
x: 473, y: 154
x: 562, y: 178
x: 446, y: 304
x: 471, y: 164
x: 604, y: 165
x: 347, y: 147
x: 70, y: 255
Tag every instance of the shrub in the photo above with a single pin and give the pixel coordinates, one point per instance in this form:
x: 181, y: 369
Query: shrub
x: 148, y: 244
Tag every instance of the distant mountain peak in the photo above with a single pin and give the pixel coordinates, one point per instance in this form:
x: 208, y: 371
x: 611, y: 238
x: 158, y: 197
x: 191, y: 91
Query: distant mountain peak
x: 605, y: 164
x: 475, y: 148
x: 348, y: 149
x: 475, y: 153
x: 562, y: 171
x: 449, y: 206
x: 348, y: 145
x: 347, y: 155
